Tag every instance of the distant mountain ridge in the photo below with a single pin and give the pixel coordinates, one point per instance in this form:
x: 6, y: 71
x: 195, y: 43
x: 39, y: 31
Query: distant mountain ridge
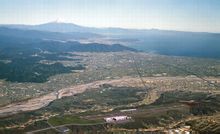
x: 31, y: 39
x: 59, y: 27
x: 56, y: 26
x: 51, y: 27
x: 166, y: 42
x: 36, y: 34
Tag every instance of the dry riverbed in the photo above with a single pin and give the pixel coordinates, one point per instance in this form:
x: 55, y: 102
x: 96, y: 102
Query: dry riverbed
x: 157, y: 85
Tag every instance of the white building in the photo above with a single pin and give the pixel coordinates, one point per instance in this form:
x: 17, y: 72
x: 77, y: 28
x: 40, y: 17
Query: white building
x: 128, y: 110
x: 115, y: 119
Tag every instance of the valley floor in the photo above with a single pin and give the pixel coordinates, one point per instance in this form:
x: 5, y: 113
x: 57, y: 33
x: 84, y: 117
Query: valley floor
x: 161, y: 83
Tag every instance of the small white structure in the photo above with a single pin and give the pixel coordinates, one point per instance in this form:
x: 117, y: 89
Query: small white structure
x: 115, y: 119
x: 128, y: 110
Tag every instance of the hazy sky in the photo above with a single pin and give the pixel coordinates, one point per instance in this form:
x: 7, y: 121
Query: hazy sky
x: 186, y: 15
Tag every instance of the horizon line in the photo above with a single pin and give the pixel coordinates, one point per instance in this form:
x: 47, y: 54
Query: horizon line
x: 124, y: 28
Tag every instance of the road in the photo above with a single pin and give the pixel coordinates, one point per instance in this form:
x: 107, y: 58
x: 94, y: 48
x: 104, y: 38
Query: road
x: 146, y: 112
x: 66, y: 125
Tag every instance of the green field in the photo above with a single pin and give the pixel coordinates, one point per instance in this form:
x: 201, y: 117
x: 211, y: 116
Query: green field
x: 98, y: 98
x: 71, y: 119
